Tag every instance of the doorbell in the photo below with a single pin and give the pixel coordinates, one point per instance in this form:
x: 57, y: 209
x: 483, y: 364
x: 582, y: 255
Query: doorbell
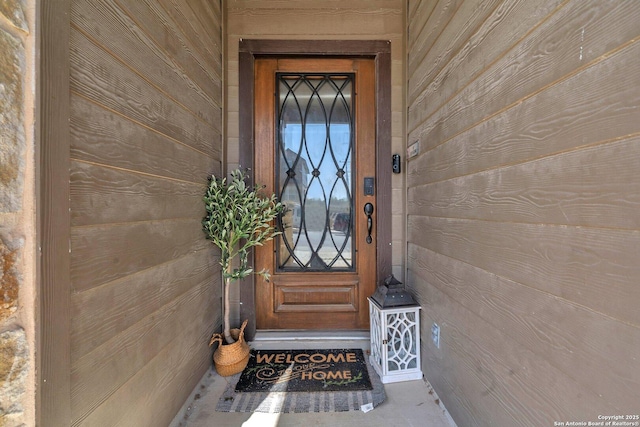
x: 395, y: 163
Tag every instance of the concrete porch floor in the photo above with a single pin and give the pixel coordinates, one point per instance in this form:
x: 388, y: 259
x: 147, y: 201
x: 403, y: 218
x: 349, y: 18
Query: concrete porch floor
x: 409, y: 403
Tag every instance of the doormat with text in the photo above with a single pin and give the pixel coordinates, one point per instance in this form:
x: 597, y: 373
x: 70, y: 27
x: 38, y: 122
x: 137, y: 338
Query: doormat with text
x: 305, y: 371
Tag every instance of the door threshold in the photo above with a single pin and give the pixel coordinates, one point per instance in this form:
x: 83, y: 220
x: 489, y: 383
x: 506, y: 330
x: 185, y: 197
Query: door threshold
x: 306, y: 339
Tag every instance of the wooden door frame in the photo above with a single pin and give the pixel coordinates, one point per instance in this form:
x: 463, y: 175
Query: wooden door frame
x: 380, y: 51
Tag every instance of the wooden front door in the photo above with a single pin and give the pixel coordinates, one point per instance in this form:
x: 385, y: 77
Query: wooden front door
x: 315, y: 124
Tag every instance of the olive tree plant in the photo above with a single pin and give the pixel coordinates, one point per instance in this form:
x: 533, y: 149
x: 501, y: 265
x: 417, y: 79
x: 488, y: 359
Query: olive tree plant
x: 238, y: 218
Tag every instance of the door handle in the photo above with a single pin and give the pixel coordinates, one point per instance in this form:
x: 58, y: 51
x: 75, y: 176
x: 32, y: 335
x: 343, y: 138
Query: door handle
x: 368, y: 210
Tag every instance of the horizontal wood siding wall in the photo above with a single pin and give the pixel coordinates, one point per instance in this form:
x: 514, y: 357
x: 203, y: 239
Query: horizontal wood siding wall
x: 146, y: 126
x: 325, y: 20
x: 523, y: 207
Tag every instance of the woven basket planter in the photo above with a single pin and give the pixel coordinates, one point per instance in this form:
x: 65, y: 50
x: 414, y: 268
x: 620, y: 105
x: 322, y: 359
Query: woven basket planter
x: 230, y: 359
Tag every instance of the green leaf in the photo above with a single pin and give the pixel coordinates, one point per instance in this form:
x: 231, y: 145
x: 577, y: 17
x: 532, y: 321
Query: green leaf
x: 238, y: 217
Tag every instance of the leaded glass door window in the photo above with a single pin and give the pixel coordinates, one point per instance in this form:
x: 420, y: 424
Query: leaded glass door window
x: 315, y: 139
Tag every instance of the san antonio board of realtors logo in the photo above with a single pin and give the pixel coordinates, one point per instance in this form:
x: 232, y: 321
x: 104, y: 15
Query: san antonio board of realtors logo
x: 305, y: 370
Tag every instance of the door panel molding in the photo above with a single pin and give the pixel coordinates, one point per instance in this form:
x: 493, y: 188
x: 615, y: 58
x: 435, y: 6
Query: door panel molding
x: 380, y: 50
x: 305, y: 298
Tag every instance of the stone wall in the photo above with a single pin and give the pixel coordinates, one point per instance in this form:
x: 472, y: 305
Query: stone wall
x: 17, y: 219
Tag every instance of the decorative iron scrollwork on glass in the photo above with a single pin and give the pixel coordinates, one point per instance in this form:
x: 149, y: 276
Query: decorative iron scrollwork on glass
x: 315, y: 142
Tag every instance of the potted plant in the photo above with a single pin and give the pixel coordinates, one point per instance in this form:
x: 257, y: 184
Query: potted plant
x: 238, y: 217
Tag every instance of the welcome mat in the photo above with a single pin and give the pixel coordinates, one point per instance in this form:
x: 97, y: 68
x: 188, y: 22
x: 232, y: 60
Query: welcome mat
x: 300, y: 402
x: 305, y: 370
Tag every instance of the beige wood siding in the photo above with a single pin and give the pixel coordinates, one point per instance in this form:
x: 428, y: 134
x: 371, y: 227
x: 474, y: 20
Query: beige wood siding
x: 325, y: 20
x: 145, y: 131
x: 523, y: 208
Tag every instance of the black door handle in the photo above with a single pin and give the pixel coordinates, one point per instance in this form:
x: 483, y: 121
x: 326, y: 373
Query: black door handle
x: 368, y: 210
